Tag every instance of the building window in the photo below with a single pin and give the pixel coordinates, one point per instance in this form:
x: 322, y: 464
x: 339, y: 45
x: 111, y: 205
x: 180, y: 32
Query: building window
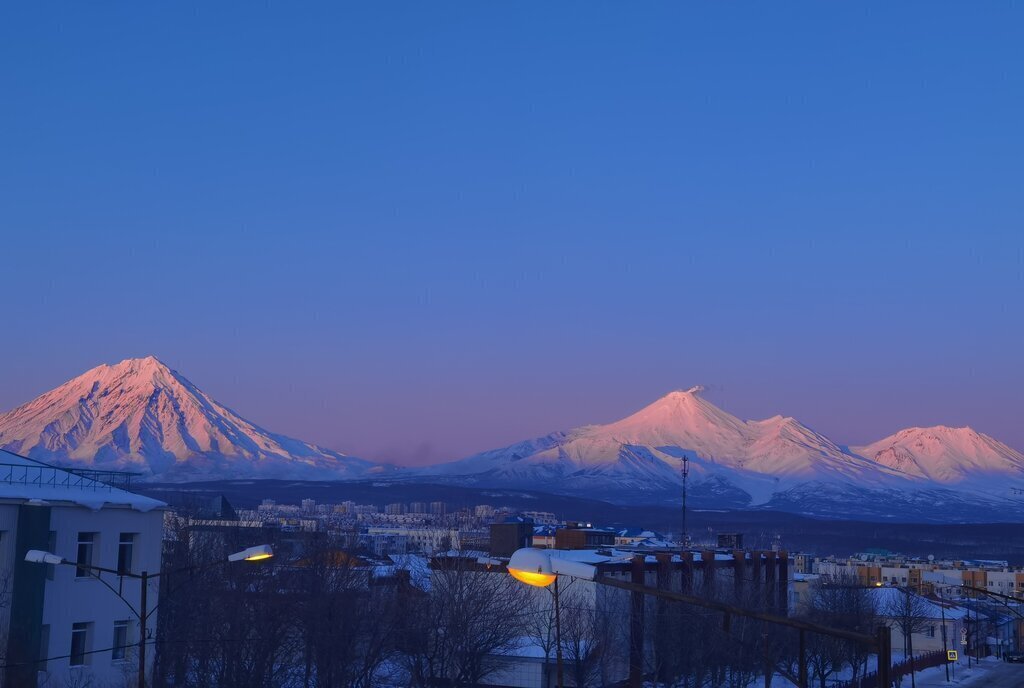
x: 79, y: 642
x: 120, y: 644
x: 86, y: 550
x: 125, y: 552
x: 931, y: 631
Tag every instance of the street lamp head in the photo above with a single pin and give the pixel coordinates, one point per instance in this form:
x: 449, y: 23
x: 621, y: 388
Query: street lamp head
x: 531, y: 566
x: 257, y: 553
x: 38, y: 556
x: 539, y: 567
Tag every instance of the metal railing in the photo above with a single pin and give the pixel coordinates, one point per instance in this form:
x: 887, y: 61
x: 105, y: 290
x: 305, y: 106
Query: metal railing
x: 71, y: 479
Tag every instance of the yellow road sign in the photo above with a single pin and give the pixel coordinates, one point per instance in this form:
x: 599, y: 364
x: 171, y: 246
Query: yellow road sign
x: 951, y: 655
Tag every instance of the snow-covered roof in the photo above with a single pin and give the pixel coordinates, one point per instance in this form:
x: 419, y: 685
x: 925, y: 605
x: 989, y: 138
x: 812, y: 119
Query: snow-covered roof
x: 616, y: 556
x: 28, y: 480
x: 893, y: 598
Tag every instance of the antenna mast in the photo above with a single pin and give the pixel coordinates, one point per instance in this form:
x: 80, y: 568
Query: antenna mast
x: 684, y: 537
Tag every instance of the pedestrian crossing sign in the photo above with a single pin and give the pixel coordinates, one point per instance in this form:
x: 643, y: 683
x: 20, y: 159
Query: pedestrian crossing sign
x: 951, y: 655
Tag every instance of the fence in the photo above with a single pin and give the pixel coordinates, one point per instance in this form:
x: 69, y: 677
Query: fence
x: 900, y: 670
x: 69, y: 478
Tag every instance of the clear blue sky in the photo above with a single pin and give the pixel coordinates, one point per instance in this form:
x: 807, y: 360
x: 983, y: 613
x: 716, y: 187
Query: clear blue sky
x: 416, y: 230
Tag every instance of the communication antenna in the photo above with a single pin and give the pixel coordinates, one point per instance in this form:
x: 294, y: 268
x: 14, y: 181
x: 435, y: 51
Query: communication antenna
x: 684, y: 535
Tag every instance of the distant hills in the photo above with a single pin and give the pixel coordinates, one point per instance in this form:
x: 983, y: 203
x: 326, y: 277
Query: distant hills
x: 140, y: 415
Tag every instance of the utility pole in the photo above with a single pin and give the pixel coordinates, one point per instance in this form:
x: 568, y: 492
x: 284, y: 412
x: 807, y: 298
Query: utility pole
x: 684, y: 536
x: 558, y: 637
x: 945, y: 648
x: 909, y: 639
x: 143, y: 622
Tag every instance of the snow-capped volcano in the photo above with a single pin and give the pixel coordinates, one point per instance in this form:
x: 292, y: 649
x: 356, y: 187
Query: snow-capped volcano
x: 142, y: 416
x: 644, y: 450
x: 777, y: 463
x: 946, y: 455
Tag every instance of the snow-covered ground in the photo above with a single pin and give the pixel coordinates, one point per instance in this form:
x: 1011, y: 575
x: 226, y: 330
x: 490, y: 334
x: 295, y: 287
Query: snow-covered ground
x: 988, y: 672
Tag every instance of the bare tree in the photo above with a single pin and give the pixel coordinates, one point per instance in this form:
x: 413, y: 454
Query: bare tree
x: 454, y: 634
x: 539, y: 626
x: 222, y: 626
x: 584, y: 636
x: 840, y: 602
x: 911, y: 614
x: 344, y: 619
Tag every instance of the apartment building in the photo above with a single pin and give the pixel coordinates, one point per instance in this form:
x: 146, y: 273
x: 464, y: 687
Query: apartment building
x: 63, y: 625
x: 925, y: 575
x: 426, y: 540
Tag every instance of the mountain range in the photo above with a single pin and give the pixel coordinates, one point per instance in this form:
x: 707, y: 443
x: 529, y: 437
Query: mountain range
x: 140, y: 415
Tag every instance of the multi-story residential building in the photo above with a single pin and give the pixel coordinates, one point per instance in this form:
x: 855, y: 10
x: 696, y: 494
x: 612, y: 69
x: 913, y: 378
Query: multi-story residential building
x: 541, y: 518
x: 382, y: 544
x: 583, y: 538
x: 952, y: 576
x: 426, y: 540
x: 63, y: 625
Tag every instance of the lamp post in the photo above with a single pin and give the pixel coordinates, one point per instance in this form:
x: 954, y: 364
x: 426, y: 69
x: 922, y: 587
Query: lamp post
x: 540, y: 569
x: 36, y: 556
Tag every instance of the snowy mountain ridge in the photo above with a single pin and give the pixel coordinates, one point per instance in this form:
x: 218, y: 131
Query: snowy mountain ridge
x: 773, y: 463
x: 945, y: 455
x: 139, y: 415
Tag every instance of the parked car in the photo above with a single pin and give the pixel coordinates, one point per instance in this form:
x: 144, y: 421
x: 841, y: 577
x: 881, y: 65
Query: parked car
x: 1014, y: 657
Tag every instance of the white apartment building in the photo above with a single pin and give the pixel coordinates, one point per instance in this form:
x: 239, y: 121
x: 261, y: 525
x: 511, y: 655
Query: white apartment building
x: 426, y: 540
x: 60, y: 625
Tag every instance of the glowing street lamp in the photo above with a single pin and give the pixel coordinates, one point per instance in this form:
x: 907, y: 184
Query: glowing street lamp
x: 539, y: 568
x: 38, y: 556
x: 257, y: 553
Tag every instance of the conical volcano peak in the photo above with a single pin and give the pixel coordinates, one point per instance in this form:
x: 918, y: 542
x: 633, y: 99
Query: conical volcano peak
x: 136, y: 374
x: 683, y: 394
x: 144, y: 363
x: 140, y: 415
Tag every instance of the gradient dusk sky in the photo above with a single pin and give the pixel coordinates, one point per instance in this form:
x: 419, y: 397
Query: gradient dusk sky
x: 415, y: 230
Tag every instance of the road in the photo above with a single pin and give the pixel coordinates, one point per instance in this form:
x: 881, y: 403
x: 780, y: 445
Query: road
x: 1002, y: 676
x: 991, y: 673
